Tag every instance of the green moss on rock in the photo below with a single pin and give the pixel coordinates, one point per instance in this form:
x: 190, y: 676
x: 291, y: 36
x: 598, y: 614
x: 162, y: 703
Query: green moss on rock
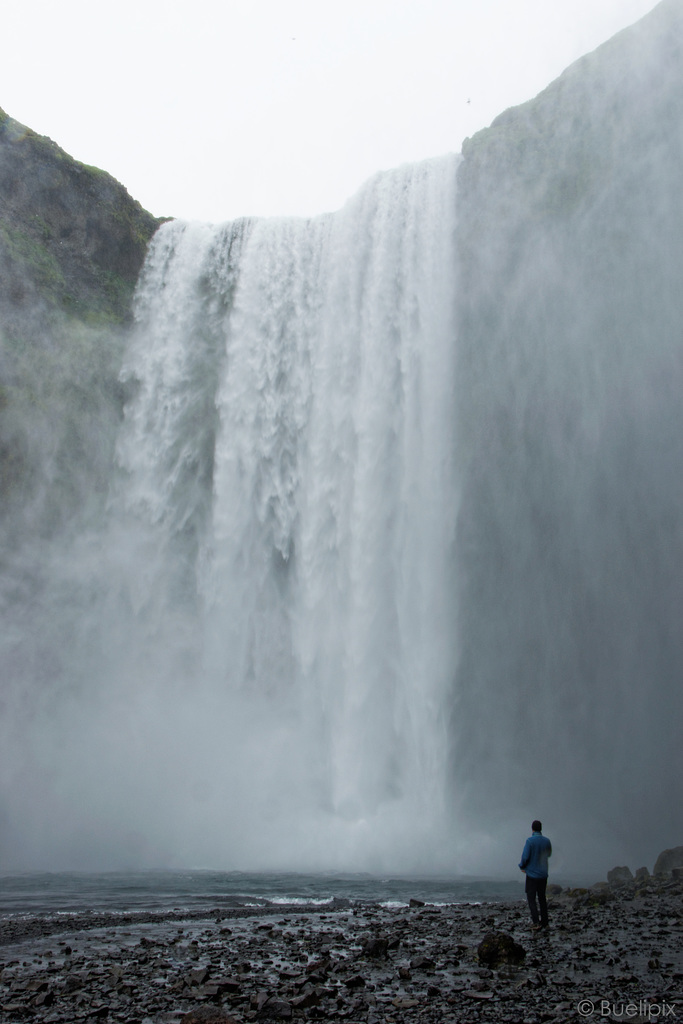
x: 71, y: 237
x: 72, y: 243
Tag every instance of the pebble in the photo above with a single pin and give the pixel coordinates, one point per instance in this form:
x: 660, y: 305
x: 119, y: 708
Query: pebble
x: 611, y: 953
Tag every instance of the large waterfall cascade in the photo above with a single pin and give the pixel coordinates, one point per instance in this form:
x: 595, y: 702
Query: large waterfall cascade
x: 363, y: 547
x: 264, y: 671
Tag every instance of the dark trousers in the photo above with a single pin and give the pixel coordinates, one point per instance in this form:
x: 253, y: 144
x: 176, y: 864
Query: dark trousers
x: 535, y: 890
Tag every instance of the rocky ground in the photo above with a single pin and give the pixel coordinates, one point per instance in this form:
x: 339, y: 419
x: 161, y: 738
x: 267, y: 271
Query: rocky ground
x: 611, y: 953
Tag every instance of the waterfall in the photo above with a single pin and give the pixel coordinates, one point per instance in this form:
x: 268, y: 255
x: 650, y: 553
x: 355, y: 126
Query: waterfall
x: 270, y: 653
x: 289, y: 452
x: 373, y: 552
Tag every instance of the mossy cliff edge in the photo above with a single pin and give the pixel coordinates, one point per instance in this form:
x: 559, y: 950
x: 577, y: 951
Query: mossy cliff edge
x: 71, y: 238
x: 72, y: 242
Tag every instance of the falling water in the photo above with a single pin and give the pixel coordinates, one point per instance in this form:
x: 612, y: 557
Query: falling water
x: 269, y: 649
x: 374, y: 552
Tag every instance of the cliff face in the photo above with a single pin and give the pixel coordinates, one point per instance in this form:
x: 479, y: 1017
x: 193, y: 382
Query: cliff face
x: 570, y: 432
x: 72, y: 242
x: 71, y: 238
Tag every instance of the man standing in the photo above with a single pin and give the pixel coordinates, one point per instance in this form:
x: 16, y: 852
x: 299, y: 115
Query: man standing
x: 534, y: 863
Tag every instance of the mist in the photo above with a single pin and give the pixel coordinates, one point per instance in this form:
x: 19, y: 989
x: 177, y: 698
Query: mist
x: 246, y: 651
x: 363, y: 547
x: 569, y: 430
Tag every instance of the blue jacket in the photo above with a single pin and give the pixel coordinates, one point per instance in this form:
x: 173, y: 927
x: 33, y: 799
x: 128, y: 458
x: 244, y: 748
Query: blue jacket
x: 535, y: 855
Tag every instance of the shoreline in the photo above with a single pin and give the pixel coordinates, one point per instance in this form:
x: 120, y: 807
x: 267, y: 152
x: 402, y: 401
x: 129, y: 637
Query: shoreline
x: 608, y: 947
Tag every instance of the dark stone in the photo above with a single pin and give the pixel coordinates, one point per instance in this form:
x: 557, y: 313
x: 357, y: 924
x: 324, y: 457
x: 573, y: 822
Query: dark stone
x: 226, y: 984
x: 668, y: 860
x: 71, y: 237
x: 321, y: 967
x: 259, y: 999
x: 498, y: 947
x: 306, y: 1000
x: 39, y: 985
x: 198, y: 976
x: 422, y: 963
x: 405, y: 1003
x: 474, y: 993
x: 376, y: 947
x: 340, y: 903
x: 623, y: 874
x: 598, y: 896
x: 278, y: 1008
x: 357, y: 981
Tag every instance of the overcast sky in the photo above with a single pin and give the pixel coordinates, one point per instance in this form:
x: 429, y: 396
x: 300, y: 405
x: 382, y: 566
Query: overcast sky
x: 212, y: 110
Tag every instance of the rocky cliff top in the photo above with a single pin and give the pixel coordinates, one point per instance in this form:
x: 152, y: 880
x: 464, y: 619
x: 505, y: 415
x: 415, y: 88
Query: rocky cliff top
x: 559, y: 150
x: 72, y: 242
x: 71, y: 237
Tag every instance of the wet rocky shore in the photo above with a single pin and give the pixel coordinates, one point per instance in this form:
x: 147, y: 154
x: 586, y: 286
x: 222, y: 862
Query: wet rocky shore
x: 612, y: 952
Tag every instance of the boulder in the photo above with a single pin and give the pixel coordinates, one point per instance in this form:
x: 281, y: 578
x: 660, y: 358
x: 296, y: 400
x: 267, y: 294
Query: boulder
x: 668, y: 860
x: 357, y: 981
x: 198, y: 976
x: 376, y: 946
x: 642, y: 874
x: 219, y: 986
x: 423, y: 963
x: 278, y: 1008
x: 307, y: 999
x: 599, y: 895
x: 618, y: 875
x: 498, y: 947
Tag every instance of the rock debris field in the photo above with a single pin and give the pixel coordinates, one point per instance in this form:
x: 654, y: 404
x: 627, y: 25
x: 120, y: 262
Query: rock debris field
x: 612, y: 952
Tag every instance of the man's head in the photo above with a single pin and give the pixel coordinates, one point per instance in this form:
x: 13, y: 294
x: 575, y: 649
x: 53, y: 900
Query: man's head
x: 536, y: 826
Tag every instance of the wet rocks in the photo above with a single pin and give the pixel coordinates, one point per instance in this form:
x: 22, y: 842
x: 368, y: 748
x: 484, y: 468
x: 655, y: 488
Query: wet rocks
x: 376, y: 946
x: 497, y: 947
x: 363, y: 964
x: 423, y: 963
x: 669, y: 862
x: 356, y: 981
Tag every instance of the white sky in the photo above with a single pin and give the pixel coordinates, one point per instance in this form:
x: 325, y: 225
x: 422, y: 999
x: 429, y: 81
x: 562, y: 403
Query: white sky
x: 211, y: 110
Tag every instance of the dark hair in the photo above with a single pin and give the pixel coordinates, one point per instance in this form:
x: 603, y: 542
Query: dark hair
x: 536, y: 826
